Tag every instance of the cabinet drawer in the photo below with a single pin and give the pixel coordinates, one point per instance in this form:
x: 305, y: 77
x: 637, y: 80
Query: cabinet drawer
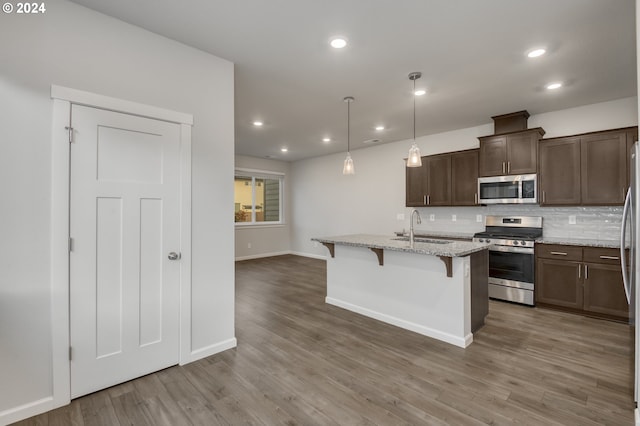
x: 559, y: 252
x: 602, y: 255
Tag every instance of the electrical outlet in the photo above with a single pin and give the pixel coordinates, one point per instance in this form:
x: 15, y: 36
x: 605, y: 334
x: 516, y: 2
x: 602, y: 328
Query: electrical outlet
x: 248, y: 245
x: 432, y: 217
x: 572, y: 219
x: 400, y: 216
x: 479, y: 218
x: 454, y: 218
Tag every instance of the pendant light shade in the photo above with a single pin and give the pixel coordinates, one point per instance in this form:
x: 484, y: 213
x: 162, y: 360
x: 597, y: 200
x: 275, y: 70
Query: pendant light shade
x: 348, y: 168
x: 414, y: 159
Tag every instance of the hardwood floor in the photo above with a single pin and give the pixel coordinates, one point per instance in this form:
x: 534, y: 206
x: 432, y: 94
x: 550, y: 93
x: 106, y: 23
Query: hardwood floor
x: 300, y: 361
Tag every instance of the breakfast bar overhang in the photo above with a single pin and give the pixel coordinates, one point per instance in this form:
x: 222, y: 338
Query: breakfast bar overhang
x: 437, y: 288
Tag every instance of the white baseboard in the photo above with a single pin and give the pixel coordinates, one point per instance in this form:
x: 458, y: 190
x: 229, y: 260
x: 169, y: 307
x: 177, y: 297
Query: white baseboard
x: 417, y: 328
x: 25, y: 411
x: 261, y: 255
x: 311, y: 255
x: 210, y: 350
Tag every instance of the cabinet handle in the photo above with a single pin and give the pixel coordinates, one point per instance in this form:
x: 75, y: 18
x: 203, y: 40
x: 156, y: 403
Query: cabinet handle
x: 508, y: 166
x: 586, y: 272
x: 579, y: 268
x: 559, y: 253
x: 424, y: 200
x: 475, y: 198
x: 428, y: 199
x: 610, y: 257
x: 544, y: 196
x: 503, y: 167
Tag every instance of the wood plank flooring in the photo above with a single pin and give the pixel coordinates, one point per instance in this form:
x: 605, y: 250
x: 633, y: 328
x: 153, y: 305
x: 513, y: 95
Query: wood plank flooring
x: 300, y: 361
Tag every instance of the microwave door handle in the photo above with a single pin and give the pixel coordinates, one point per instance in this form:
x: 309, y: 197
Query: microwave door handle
x: 623, y: 230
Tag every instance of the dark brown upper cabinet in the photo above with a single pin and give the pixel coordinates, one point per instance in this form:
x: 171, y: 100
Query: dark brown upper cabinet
x: 632, y: 137
x: 589, y: 169
x: 443, y: 180
x: 438, y: 180
x: 559, y: 177
x: 603, y: 164
x: 415, y: 185
x: 464, y: 178
x: 510, y: 154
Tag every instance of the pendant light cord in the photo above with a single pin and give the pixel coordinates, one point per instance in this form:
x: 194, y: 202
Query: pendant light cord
x: 348, y: 124
x: 414, y: 110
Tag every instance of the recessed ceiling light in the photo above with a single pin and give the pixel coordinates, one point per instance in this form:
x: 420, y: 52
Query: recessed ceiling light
x: 554, y: 86
x: 325, y: 140
x: 535, y: 53
x: 419, y: 92
x: 379, y: 127
x: 338, y: 42
x: 258, y: 123
x: 284, y: 149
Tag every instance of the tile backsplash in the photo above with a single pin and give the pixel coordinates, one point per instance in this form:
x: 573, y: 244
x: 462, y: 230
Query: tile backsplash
x: 599, y: 223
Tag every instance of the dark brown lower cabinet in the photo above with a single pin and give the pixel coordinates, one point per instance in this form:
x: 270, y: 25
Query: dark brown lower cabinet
x: 558, y: 284
x: 586, y: 280
x: 603, y: 291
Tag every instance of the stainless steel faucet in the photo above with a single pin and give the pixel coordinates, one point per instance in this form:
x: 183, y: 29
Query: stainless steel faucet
x: 411, y: 236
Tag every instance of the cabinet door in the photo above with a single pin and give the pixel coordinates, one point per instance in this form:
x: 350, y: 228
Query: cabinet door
x: 522, y: 153
x: 439, y: 180
x: 416, y: 181
x: 559, y: 177
x: 632, y: 137
x: 603, y: 290
x: 493, y: 156
x: 559, y: 283
x: 604, y: 168
x: 464, y: 178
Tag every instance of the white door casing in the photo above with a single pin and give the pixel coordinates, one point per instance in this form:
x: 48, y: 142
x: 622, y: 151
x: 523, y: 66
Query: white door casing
x: 124, y: 221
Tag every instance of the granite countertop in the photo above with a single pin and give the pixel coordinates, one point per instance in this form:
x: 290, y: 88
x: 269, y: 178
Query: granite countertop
x: 436, y: 248
x: 567, y: 241
x: 441, y: 234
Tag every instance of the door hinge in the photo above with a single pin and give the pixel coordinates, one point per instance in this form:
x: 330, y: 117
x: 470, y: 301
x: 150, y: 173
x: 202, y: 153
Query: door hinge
x: 70, y: 353
x: 70, y: 244
x: 70, y: 130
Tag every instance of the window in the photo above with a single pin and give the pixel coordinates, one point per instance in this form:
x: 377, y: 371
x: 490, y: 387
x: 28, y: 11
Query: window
x: 258, y: 197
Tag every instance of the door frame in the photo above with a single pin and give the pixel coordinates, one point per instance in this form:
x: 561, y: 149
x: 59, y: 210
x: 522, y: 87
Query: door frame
x: 63, y: 99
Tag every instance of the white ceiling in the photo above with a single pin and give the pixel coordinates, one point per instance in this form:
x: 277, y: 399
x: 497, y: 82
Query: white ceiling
x: 471, y: 54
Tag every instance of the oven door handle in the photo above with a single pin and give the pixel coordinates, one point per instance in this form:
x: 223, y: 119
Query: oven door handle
x: 510, y: 249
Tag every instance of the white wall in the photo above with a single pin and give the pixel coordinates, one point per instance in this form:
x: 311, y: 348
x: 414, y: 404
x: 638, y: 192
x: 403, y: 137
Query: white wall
x: 326, y: 203
x: 75, y: 47
x: 265, y: 240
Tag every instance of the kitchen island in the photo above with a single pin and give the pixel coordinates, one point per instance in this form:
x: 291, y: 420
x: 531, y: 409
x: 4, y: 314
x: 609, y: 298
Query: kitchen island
x: 437, y: 288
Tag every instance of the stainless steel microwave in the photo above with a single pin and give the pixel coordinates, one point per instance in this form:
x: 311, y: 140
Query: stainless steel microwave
x: 516, y: 189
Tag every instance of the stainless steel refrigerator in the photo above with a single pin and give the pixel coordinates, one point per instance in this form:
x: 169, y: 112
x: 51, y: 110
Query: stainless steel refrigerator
x: 629, y: 237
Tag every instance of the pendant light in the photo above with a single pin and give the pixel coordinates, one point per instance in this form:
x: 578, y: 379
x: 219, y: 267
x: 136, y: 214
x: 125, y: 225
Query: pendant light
x: 414, y: 152
x: 348, y: 168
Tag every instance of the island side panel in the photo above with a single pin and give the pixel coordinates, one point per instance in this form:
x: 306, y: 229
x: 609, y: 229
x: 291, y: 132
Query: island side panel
x: 479, y: 289
x: 411, y: 291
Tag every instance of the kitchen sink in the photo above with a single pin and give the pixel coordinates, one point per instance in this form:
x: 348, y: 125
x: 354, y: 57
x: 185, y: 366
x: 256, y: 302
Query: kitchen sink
x: 424, y: 240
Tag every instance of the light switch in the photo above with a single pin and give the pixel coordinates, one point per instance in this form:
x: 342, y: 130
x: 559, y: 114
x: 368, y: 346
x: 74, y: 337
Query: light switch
x: 454, y: 218
x: 479, y: 218
x: 432, y: 217
x: 572, y: 219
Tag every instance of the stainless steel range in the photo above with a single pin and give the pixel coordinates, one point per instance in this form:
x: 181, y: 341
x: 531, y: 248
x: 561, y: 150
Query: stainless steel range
x: 511, y: 256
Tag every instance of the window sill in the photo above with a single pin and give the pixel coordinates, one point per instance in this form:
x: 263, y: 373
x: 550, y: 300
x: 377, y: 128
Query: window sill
x: 259, y: 225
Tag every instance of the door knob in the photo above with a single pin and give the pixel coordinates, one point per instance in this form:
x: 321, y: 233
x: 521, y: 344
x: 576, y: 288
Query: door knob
x: 174, y: 256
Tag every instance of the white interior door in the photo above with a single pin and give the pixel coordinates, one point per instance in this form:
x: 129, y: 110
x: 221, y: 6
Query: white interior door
x: 124, y: 222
